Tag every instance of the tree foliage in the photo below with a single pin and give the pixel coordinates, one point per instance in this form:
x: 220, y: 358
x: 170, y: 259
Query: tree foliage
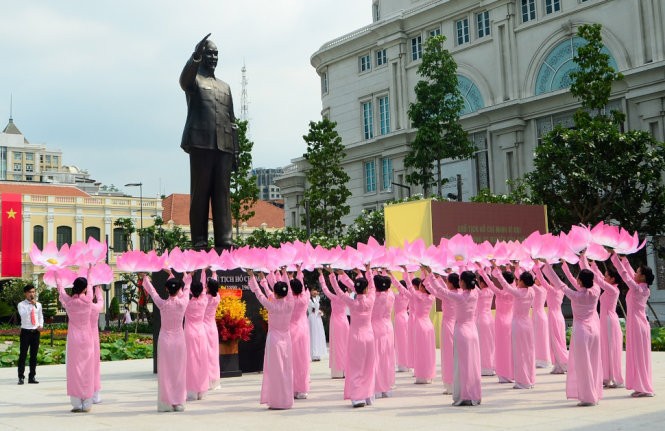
x: 244, y: 190
x: 166, y: 239
x: 435, y: 115
x: 327, y: 192
x: 595, y: 171
x: 128, y: 228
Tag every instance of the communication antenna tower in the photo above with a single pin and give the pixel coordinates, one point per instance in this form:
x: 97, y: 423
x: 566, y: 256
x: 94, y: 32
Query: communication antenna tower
x: 244, y: 103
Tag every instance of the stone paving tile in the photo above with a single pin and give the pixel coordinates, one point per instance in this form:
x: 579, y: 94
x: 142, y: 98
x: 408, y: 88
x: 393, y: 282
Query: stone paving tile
x: 130, y: 391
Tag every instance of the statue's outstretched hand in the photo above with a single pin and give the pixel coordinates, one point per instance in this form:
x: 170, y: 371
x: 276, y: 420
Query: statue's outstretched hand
x: 198, y: 51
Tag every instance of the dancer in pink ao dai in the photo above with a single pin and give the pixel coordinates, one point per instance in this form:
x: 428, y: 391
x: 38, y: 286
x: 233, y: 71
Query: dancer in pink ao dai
x: 402, y: 331
x: 466, y: 347
x: 384, y: 337
x: 171, y: 347
x: 198, y: 374
x: 523, y: 349
x: 584, y: 380
x: 424, y: 354
x: 211, y: 333
x: 339, y: 329
x: 556, y: 325
x: 447, y: 329
x: 361, y: 361
x: 638, y: 332
x: 611, y: 336
x: 503, y: 321
x: 97, y: 307
x: 540, y: 326
x: 485, y: 325
x: 277, y: 385
x: 300, y: 337
x: 80, y: 350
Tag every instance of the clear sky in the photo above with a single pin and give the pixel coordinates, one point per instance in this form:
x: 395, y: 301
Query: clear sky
x: 99, y: 79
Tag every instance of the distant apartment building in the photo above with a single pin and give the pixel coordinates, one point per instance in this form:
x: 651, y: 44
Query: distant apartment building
x: 265, y: 179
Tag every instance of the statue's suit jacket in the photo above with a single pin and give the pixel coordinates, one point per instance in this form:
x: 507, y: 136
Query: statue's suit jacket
x: 210, y: 117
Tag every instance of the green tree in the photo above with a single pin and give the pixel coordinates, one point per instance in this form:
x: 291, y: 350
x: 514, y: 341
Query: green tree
x: 435, y: 115
x: 244, y: 190
x: 12, y: 293
x: 595, y: 171
x: 366, y: 225
x: 128, y: 228
x: 327, y: 192
x: 166, y: 239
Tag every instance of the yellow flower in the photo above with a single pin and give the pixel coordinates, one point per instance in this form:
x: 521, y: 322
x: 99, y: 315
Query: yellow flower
x: 231, y: 306
x: 264, y: 314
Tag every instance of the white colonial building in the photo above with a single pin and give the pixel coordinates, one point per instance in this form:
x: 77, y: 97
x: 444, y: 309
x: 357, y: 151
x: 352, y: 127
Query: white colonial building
x: 513, y: 61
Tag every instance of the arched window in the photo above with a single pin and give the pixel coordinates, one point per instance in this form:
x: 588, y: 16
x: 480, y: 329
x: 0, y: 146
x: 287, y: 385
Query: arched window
x: 119, y: 242
x: 38, y: 236
x: 473, y: 100
x: 92, y: 231
x: 63, y: 236
x: 554, y: 73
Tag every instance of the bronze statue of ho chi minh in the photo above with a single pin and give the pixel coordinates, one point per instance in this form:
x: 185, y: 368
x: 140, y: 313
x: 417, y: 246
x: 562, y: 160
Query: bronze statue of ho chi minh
x: 210, y: 138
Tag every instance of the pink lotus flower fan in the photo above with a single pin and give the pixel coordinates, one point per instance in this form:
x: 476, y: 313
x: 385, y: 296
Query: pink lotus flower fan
x: 82, y: 254
x: 99, y: 274
x: 531, y: 244
x: 567, y: 253
x: 551, y: 248
x: 50, y: 257
x: 517, y: 252
x: 413, y: 254
x: 460, y: 248
x: 65, y: 275
x: 578, y: 238
x: 597, y: 252
x: 351, y: 259
x: 501, y: 253
x: 370, y: 251
x: 629, y: 244
x: 131, y: 261
x: 483, y: 254
x: 605, y: 235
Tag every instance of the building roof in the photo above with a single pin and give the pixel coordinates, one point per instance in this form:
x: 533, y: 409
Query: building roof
x: 29, y: 188
x: 11, y: 129
x: 176, y: 208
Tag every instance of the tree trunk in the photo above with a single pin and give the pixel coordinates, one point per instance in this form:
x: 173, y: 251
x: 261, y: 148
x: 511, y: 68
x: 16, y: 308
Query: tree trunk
x: 439, y: 189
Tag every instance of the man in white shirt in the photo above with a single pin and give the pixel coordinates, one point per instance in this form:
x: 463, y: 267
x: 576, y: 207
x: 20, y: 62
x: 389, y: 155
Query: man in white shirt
x: 32, y: 321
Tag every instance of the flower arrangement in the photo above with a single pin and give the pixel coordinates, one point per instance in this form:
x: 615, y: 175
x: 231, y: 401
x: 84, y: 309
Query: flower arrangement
x: 232, y: 323
x: 264, y: 314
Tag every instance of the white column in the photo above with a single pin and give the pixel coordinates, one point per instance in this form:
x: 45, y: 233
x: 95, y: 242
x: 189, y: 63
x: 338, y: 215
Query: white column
x: 79, y: 228
x: 27, y: 230
x: 50, y: 230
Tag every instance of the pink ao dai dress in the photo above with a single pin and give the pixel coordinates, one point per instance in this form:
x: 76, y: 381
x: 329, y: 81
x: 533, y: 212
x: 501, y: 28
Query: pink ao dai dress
x: 80, y: 349
x: 171, y: 347
x: 277, y: 386
x: 384, y: 342
x: 611, y: 336
x: 424, y: 342
x: 402, y: 346
x: 300, y: 341
x: 466, y: 346
x: 485, y: 325
x: 360, y: 380
x: 212, y: 340
x: 639, y: 376
x: 556, y: 325
x: 584, y: 380
x: 339, y: 329
x: 196, y: 340
x: 446, y: 335
x: 540, y: 326
x: 503, y: 321
x: 523, y: 348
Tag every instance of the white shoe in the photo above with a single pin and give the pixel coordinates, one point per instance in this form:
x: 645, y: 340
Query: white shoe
x: 300, y: 395
x: 179, y: 408
x: 387, y: 394
x: 401, y: 369
x: 358, y: 403
x: 369, y: 401
x: 420, y: 381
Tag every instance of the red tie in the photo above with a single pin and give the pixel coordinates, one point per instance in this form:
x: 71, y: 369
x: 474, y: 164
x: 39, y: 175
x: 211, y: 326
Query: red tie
x: 33, y: 319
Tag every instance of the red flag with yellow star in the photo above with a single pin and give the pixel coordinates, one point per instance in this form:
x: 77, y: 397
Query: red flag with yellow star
x: 10, y: 241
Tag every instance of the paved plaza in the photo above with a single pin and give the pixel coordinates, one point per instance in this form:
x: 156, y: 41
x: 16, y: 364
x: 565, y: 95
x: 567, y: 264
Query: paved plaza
x: 130, y: 392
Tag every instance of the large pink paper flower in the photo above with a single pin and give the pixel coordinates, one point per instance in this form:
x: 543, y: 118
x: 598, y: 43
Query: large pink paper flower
x: 50, y: 257
x: 99, y: 274
x: 65, y: 275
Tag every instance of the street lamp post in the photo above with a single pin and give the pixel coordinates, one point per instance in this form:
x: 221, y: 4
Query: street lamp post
x: 140, y: 186
x: 408, y: 189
